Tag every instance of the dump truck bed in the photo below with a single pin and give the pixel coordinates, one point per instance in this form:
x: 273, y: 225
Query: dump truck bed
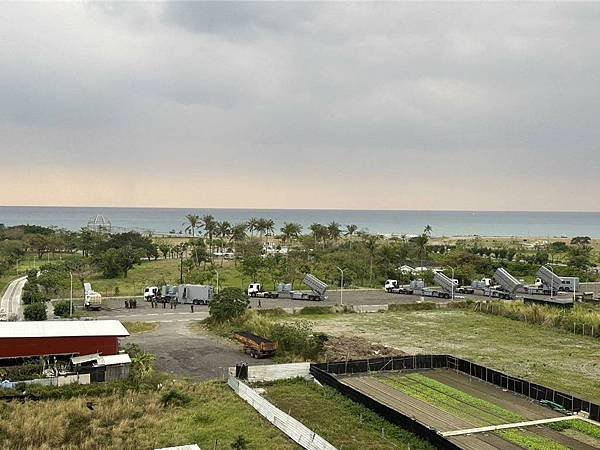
x: 257, y: 346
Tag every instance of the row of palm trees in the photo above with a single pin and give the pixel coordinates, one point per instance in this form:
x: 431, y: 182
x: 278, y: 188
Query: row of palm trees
x: 262, y: 227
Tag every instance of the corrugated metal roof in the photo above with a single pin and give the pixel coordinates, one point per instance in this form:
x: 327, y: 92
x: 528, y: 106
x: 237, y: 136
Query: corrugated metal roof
x: 109, y: 360
x: 84, y: 358
x: 62, y: 328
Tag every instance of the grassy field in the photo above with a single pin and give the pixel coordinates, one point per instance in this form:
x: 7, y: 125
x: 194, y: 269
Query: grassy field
x: 159, y: 272
x: 208, y: 414
x: 553, y: 358
x: 140, y: 327
x: 345, y: 424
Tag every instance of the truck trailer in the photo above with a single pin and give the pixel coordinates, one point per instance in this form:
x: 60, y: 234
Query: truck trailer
x: 551, y: 281
x: 318, y: 288
x: 506, y: 286
x: 256, y: 346
x: 196, y: 294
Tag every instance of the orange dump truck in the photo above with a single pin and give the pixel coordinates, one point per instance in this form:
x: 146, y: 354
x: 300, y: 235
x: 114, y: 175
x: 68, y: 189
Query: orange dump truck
x: 256, y: 346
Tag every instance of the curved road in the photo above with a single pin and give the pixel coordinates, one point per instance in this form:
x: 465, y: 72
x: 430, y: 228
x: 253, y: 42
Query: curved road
x: 11, y: 300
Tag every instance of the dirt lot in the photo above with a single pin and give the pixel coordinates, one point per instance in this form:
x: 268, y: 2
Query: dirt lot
x: 549, y: 357
x: 179, y: 350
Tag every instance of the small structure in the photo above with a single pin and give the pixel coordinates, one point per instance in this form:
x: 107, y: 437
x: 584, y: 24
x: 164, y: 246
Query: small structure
x: 60, y: 338
x: 102, y: 368
x: 100, y: 224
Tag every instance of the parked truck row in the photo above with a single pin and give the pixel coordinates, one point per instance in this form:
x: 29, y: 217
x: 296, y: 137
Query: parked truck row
x: 502, y: 285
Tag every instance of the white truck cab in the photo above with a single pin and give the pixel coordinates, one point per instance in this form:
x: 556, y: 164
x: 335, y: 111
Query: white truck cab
x: 150, y: 292
x: 253, y: 289
x: 390, y: 284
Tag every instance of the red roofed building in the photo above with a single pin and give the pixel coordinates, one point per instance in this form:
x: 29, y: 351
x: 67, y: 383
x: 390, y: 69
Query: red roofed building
x: 60, y: 337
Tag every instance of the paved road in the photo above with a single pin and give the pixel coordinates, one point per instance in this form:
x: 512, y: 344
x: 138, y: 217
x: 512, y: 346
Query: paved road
x: 194, y: 353
x: 10, y: 304
x: 115, y: 309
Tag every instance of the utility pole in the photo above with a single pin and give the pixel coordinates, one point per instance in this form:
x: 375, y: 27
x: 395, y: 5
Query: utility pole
x: 341, y: 286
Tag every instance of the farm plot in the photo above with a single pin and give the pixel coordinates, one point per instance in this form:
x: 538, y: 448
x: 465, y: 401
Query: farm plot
x: 448, y: 401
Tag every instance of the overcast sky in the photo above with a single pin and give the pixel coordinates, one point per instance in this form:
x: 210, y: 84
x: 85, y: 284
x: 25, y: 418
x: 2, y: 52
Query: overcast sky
x: 301, y: 105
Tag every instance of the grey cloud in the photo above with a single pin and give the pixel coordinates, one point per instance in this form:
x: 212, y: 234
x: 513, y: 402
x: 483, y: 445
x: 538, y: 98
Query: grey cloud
x: 238, y: 19
x: 335, y: 89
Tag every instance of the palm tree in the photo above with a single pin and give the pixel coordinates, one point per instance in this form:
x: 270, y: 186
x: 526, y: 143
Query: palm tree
x: 192, y: 224
x: 350, y: 230
x: 209, y: 224
x: 334, y: 231
x: 165, y: 249
x: 223, y: 230
x: 290, y: 231
x: 319, y: 232
x: 253, y: 225
x: 422, y: 241
x: 269, y: 227
x: 370, y: 243
x: 237, y: 235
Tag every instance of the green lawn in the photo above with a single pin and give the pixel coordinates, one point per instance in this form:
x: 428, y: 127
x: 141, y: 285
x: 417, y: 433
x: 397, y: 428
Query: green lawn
x: 345, y: 424
x: 159, y: 272
x: 553, y: 358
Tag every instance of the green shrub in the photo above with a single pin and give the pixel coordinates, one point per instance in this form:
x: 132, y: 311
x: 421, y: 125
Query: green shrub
x: 62, y: 308
x: 229, y: 304
x: 35, y: 311
x: 425, y: 306
x: 174, y: 397
x: 316, y: 310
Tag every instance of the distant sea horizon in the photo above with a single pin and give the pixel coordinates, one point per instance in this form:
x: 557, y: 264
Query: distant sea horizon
x: 388, y: 222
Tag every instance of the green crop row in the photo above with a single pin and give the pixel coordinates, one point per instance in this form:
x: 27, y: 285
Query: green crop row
x: 530, y: 441
x: 578, y: 425
x: 475, y: 410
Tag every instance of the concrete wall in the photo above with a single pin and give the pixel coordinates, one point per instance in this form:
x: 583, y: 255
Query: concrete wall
x: 274, y: 372
x: 57, y: 381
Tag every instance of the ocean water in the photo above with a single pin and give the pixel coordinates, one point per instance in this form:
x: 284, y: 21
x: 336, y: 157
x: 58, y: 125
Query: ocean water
x: 444, y: 223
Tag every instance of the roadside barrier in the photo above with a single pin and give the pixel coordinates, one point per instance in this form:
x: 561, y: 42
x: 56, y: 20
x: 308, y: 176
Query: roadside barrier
x: 297, y: 431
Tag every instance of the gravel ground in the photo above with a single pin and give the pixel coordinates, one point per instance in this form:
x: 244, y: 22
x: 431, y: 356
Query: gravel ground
x: 182, y: 351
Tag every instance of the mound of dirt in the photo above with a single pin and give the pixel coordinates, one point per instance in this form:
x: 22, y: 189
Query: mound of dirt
x: 341, y: 348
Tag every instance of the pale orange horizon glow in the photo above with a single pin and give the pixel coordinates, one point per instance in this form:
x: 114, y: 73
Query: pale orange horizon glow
x: 56, y: 186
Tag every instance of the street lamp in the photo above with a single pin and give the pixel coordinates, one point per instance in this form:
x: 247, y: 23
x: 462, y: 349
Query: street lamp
x: 71, y: 303
x: 341, y: 286
x: 452, y: 268
x: 551, y: 281
x: 217, y: 272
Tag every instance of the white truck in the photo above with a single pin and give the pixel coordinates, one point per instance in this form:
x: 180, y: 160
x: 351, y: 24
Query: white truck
x: 318, y: 288
x: 150, y: 292
x: 256, y: 290
x: 92, y: 299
